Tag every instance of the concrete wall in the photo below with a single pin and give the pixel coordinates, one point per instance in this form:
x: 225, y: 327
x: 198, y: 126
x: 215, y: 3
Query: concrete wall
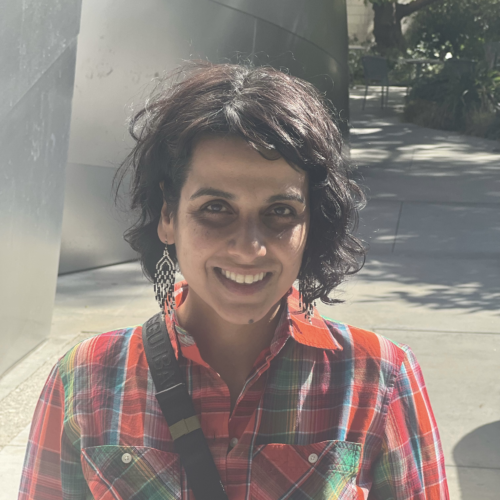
x: 37, y: 54
x: 125, y: 44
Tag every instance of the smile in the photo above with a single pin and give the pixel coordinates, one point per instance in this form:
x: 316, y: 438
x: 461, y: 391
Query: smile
x: 242, y: 284
x: 246, y: 279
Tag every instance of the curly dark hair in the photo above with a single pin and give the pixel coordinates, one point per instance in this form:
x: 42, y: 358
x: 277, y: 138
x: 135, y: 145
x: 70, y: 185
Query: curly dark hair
x: 271, y: 110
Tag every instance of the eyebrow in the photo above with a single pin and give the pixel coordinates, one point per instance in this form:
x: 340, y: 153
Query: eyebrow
x: 212, y: 192
x: 291, y: 196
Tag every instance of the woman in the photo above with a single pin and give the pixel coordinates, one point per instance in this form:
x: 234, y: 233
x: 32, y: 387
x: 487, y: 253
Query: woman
x: 238, y: 177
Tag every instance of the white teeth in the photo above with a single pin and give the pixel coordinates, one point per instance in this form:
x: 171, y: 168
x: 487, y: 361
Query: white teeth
x: 247, y: 279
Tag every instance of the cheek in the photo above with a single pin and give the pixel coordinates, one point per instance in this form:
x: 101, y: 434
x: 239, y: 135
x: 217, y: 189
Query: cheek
x: 206, y: 240
x: 195, y: 244
x: 293, y: 240
x: 289, y: 247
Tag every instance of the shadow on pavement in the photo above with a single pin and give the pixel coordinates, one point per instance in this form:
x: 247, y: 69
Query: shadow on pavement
x: 104, y: 287
x: 465, y: 286
x: 477, y: 456
x: 432, y: 217
x: 399, y: 160
x: 404, y: 161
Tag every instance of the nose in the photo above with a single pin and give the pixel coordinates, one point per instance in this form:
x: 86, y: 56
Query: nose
x: 247, y: 242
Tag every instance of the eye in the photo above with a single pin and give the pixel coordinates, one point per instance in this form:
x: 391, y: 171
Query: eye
x: 283, y: 211
x: 215, y: 208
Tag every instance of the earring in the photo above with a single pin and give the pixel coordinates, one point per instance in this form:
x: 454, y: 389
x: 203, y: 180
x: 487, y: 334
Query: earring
x: 304, y: 306
x: 164, y: 282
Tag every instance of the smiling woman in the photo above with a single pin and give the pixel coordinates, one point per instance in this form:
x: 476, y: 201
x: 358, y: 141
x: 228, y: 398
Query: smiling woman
x: 282, y: 118
x: 239, y: 181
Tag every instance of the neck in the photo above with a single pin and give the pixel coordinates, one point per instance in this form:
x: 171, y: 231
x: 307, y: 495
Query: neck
x: 213, y: 334
x: 230, y: 349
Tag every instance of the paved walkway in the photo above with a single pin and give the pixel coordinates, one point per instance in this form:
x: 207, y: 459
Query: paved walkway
x: 432, y: 280
x: 432, y: 277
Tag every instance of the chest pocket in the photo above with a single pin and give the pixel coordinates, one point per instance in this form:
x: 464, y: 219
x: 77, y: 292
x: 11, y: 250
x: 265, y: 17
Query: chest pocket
x: 131, y: 473
x: 325, y: 470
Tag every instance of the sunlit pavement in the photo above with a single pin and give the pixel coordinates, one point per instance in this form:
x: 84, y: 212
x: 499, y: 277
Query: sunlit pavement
x: 432, y: 281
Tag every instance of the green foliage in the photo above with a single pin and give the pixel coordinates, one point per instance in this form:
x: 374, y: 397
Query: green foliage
x: 484, y: 124
x: 456, y: 27
x: 466, y: 102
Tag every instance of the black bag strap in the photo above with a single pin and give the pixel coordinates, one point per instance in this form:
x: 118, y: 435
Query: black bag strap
x: 178, y: 410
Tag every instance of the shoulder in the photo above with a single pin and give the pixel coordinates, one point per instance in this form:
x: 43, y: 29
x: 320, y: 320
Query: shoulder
x: 368, y: 347
x: 105, y: 351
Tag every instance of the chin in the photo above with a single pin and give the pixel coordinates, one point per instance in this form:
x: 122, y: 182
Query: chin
x: 243, y: 319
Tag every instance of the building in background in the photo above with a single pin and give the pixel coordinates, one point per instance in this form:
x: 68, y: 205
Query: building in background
x: 359, y: 21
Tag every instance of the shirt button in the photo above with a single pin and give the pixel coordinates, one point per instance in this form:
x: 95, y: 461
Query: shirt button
x: 233, y: 442
x: 126, y: 458
x: 313, y: 458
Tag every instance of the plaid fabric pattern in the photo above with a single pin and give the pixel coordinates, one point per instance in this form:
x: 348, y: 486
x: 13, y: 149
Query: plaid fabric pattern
x: 328, y: 411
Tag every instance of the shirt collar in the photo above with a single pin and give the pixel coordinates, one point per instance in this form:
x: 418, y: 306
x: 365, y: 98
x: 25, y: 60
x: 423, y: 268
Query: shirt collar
x: 314, y: 334
x: 292, y: 324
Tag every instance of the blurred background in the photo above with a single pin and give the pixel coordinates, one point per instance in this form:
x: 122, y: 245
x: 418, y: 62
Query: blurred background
x: 416, y: 86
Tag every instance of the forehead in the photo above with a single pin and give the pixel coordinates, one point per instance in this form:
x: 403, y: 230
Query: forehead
x: 230, y: 163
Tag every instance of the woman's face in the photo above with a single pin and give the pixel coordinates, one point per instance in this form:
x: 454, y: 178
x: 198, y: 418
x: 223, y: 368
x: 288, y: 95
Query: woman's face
x: 240, y: 230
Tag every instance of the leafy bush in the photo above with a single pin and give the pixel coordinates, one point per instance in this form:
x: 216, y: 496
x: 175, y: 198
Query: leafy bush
x: 463, y: 101
x: 483, y: 124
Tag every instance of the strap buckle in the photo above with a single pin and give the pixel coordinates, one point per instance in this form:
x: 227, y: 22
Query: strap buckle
x: 184, y: 426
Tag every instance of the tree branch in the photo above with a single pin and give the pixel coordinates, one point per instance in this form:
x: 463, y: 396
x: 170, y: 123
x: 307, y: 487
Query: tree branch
x: 405, y: 9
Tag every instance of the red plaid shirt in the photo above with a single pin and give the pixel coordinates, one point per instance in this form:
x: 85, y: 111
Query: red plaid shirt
x: 328, y: 411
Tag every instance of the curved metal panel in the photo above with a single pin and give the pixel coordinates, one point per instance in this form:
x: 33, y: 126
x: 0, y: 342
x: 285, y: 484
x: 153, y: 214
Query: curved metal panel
x: 33, y: 137
x: 32, y: 37
x: 95, y: 239
x: 123, y: 45
x: 281, y: 48
x: 322, y: 22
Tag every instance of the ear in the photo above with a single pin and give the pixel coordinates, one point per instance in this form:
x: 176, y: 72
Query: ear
x: 166, y: 225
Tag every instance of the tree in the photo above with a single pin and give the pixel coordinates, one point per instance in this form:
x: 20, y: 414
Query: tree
x: 387, y: 22
x: 459, y: 28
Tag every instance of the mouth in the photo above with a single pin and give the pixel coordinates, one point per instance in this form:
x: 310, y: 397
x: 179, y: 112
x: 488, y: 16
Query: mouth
x: 242, y: 284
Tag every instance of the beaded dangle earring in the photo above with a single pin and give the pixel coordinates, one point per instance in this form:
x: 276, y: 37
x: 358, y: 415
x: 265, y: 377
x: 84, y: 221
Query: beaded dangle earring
x: 164, y: 282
